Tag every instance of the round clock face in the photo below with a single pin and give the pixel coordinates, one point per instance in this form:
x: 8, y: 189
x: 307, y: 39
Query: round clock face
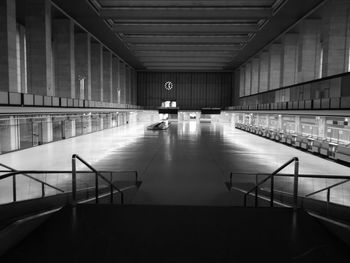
x: 168, y: 85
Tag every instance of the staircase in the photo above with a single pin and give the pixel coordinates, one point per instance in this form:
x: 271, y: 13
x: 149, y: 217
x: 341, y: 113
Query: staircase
x: 130, y: 233
x: 100, y: 224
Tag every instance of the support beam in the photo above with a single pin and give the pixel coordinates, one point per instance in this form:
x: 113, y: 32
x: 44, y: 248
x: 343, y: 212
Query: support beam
x: 144, y: 54
x: 186, y: 47
x: 181, y: 29
x: 186, y: 59
x: 185, y: 3
x: 186, y: 13
x: 185, y: 39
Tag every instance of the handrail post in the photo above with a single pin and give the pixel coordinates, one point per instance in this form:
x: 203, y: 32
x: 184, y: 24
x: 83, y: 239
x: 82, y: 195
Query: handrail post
x: 245, y: 200
x: 96, y: 188
x: 74, y: 181
x: 256, y: 190
x: 136, y: 177
x: 296, y: 183
x: 111, y: 188
x: 42, y: 190
x: 272, y: 192
x: 328, y: 199
x: 14, y: 190
x: 231, y: 179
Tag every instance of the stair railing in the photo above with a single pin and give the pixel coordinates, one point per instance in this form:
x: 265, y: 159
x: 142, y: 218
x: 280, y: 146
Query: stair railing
x: 328, y: 189
x: 271, y: 177
x: 13, y: 173
x: 98, y: 175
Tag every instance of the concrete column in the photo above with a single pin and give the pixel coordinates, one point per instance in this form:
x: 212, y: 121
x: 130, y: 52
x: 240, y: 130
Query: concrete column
x: 115, y: 80
x: 69, y: 128
x: 134, y: 78
x: 63, y: 34
x: 8, y: 55
x: 47, y: 130
x: 290, y: 59
x: 101, y: 123
x: 297, y: 125
x: 309, y: 50
x: 248, y: 78
x: 96, y: 72
x: 264, y: 71
x: 255, y: 75
x: 107, y: 76
x: 335, y: 37
x: 23, y: 58
x: 275, y: 66
x: 127, y: 85
x: 89, y: 125
x: 242, y: 81
x: 122, y: 82
x: 39, y: 47
x: 9, y: 139
x: 322, y: 130
x: 73, y: 127
x: 279, y: 122
x: 83, y: 65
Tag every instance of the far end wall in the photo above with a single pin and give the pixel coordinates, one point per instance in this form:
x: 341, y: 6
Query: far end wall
x: 191, y: 90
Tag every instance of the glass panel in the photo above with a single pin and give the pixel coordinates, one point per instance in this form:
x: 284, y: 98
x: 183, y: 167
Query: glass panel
x: 26, y: 133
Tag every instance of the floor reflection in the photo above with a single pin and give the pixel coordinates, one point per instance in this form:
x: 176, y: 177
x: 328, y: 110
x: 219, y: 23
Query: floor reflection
x: 184, y: 165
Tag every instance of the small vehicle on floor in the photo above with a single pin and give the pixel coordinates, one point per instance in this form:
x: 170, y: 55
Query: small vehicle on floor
x: 163, y: 125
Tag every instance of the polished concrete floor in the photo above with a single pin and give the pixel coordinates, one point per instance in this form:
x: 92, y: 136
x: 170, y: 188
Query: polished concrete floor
x: 184, y: 165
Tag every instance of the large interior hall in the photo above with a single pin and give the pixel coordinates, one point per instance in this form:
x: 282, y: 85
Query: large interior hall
x: 174, y: 131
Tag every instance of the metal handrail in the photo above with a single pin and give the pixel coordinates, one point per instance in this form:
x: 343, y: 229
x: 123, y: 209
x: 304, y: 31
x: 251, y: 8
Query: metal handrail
x: 14, y: 188
x: 328, y: 188
x: 271, y: 177
x: 97, y: 175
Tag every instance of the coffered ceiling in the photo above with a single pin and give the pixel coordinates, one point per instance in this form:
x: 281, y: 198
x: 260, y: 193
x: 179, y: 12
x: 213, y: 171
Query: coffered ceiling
x: 186, y: 34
